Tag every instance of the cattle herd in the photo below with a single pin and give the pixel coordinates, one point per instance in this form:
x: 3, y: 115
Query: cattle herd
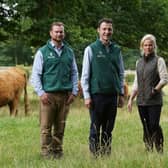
x: 13, y: 81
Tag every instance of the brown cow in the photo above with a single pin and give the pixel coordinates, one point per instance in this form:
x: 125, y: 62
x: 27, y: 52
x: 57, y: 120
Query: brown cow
x: 80, y: 92
x: 12, y: 82
x: 126, y: 91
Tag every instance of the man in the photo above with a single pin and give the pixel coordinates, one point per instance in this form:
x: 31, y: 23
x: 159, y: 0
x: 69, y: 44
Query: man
x: 55, y: 79
x: 103, y: 87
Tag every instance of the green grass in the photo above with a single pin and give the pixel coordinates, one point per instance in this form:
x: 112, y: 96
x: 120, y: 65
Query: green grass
x: 20, y: 140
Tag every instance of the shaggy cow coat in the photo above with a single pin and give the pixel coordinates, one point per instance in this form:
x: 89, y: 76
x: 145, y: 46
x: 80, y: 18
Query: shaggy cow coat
x: 13, y: 81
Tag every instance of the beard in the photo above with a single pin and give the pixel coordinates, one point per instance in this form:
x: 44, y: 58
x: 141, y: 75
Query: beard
x: 57, y: 40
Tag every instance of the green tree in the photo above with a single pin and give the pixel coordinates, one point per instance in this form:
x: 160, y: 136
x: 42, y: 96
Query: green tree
x: 28, y: 22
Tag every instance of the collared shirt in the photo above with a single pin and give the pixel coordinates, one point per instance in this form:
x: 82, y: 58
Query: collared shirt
x: 163, y: 74
x: 37, y: 72
x: 58, y: 50
x: 86, y: 72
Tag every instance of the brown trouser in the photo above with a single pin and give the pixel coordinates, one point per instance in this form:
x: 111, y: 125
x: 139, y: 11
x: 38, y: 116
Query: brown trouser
x: 52, y: 123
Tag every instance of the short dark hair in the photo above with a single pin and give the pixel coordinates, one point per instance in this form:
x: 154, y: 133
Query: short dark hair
x: 106, y: 20
x: 56, y: 24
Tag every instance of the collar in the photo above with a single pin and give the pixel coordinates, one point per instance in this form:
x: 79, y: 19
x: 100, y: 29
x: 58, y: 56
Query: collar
x: 53, y: 45
x: 100, y: 42
x: 149, y: 57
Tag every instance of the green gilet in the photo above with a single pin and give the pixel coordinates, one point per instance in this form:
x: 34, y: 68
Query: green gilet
x: 56, y: 74
x: 105, y: 77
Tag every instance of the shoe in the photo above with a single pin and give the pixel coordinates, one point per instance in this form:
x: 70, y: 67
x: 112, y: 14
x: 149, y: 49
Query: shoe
x: 57, y: 155
x: 52, y: 155
x: 47, y: 156
x: 105, y: 151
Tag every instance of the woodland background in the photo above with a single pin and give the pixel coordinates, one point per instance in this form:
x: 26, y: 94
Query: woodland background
x: 24, y: 26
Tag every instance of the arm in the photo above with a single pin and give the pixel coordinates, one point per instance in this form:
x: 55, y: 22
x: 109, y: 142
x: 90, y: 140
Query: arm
x: 85, y: 78
x: 36, y: 78
x: 121, y: 74
x: 133, y: 94
x: 74, y: 77
x: 37, y: 73
x: 163, y: 74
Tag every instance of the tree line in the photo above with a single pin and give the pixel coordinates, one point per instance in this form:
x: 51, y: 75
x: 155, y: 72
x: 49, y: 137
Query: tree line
x: 24, y: 26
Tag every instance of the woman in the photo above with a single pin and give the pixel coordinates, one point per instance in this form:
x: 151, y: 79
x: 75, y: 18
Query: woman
x: 151, y: 76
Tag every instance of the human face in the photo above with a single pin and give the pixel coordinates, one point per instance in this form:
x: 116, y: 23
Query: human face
x: 148, y: 47
x: 57, y: 33
x: 105, y: 31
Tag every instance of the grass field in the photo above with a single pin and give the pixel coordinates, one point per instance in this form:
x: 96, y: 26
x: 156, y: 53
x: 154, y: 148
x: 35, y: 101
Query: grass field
x: 20, y: 140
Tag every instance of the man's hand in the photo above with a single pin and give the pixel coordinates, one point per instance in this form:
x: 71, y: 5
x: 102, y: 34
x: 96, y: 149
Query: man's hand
x: 45, y: 98
x: 70, y: 98
x: 120, y: 101
x: 88, y: 103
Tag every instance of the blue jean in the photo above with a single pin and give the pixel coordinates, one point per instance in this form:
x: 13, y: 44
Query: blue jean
x: 102, y: 114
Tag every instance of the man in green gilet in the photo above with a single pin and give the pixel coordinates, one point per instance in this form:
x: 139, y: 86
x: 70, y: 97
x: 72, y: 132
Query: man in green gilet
x: 103, y: 87
x: 55, y: 79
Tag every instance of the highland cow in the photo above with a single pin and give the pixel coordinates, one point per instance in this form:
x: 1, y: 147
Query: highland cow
x: 13, y: 81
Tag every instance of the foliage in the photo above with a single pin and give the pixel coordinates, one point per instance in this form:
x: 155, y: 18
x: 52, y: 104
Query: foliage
x: 129, y: 78
x: 28, y: 22
x: 130, y: 56
x: 15, y: 52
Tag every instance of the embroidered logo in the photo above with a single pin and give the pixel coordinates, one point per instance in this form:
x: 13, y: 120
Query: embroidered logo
x: 100, y: 55
x: 51, y: 55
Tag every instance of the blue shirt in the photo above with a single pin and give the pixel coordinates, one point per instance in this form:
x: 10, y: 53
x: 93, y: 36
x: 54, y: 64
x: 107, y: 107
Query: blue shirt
x: 85, y: 78
x: 37, y: 72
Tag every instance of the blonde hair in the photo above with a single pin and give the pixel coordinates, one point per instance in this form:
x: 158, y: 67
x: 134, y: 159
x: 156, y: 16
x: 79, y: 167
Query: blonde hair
x: 148, y: 37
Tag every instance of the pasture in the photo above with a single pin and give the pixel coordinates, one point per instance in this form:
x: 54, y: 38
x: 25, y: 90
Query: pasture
x: 20, y: 140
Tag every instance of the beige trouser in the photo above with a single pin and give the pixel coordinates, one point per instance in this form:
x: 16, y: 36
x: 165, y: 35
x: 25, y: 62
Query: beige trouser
x: 52, y: 122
